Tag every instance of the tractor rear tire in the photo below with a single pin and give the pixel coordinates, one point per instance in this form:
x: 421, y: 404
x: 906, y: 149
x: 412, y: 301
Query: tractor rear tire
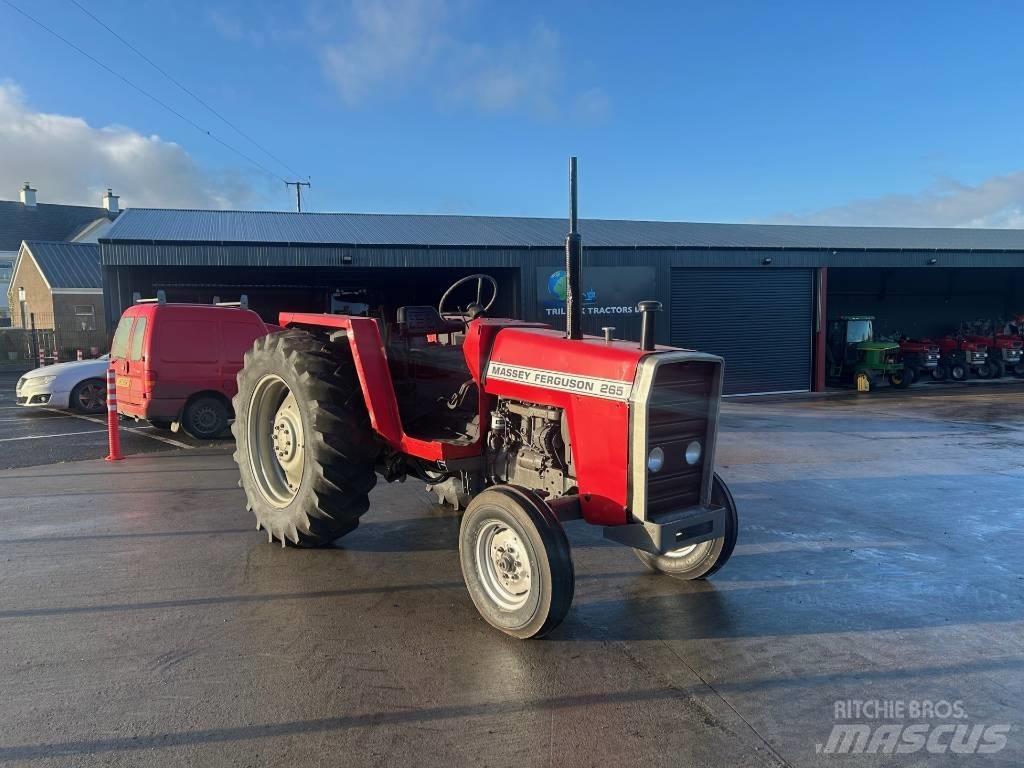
x: 516, y: 561
x: 305, y: 448
x: 698, y: 561
x: 940, y: 373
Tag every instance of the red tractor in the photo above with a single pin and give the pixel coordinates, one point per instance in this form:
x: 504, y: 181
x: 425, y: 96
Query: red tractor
x: 519, y: 424
x: 960, y: 356
x: 920, y: 358
x: 1004, y: 354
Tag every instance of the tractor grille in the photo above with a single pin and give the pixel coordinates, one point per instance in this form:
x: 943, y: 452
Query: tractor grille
x: 677, y: 414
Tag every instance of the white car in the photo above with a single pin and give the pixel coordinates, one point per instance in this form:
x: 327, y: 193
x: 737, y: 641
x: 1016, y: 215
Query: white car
x: 80, y: 385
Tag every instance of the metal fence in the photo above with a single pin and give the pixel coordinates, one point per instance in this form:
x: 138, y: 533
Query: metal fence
x: 46, y: 342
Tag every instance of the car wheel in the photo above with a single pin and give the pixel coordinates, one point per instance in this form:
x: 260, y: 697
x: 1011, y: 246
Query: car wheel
x: 89, y: 396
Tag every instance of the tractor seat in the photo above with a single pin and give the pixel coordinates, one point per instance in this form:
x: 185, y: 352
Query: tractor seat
x: 417, y: 320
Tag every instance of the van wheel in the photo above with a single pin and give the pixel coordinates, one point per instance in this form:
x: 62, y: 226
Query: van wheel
x: 205, y: 418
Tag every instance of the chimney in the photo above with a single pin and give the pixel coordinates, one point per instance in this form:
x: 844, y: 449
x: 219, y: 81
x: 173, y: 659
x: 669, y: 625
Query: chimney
x: 28, y: 196
x: 110, y: 201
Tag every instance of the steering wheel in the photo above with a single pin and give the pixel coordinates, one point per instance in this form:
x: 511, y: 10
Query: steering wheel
x: 476, y: 308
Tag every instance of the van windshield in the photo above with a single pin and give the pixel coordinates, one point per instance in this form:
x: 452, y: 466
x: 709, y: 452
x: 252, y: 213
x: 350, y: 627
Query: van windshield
x: 119, y: 347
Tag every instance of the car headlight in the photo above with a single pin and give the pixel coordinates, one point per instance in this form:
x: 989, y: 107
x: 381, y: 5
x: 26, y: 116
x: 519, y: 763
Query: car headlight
x: 39, y: 381
x: 656, y: 460
x: 693, y: 452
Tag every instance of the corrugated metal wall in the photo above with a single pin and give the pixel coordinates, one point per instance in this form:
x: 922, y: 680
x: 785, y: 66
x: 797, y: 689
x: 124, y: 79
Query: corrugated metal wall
x: 759, y: 320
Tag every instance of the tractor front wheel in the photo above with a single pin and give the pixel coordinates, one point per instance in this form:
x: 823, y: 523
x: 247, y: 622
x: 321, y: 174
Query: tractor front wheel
x: 698, y: 561
x: 958, y: 372
x: 516, y: 562
x: 305, y: 448
x: 902, y: 379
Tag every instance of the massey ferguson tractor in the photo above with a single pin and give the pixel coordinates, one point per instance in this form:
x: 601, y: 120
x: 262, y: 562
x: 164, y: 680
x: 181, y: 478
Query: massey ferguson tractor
x: 1005, y: 353
x: 519, y: 424
x: 920, y: 358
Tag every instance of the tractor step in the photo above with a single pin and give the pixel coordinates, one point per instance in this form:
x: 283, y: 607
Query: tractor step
x: 671, y: 530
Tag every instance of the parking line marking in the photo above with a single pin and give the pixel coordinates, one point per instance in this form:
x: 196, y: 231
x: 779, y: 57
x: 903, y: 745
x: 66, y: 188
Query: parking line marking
x: 133, y: 430
x: 59, y: 434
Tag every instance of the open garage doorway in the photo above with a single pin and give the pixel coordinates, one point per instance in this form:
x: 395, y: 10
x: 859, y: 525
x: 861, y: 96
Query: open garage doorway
x: 926, y: 302
x: 272, y: 290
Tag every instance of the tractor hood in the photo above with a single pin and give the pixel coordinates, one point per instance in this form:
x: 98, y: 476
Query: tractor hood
x: 877, y: 346
x: 546, y: 359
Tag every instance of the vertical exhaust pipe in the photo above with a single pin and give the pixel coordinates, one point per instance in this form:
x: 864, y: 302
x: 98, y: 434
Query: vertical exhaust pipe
x: 647, y: 310
x: 573, y: 265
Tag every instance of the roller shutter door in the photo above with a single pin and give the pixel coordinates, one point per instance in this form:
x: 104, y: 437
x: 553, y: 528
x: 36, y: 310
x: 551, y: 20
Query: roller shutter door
x: 759, y: 320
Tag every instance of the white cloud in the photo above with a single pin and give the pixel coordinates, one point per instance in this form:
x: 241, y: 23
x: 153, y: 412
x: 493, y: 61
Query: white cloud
x: 72, y: 162
x: 389, y: 42
x: 997, y: 201
x: 393, y: 45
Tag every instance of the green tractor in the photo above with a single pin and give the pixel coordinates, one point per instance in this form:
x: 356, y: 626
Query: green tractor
x: 854, y: 357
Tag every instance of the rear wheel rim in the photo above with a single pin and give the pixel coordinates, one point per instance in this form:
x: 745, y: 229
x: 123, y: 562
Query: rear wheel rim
x: 277, y: 453
x: 503, y: 565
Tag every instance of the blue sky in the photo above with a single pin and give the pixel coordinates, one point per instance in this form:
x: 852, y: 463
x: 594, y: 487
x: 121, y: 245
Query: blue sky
x: 862, y: 113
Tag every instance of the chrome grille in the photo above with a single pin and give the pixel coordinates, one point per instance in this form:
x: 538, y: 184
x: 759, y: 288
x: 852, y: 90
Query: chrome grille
x: 678, y: 413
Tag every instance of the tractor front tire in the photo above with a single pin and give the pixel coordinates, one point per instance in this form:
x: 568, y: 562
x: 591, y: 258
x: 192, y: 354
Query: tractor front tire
x: 958, y: 372
x: 516, y: 562
x: 940, y: 373
x: 304, y: 445
x: 902, y: 379
x: 698, y: 561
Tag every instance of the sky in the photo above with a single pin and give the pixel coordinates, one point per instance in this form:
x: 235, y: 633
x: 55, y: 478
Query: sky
x: 903, y: 114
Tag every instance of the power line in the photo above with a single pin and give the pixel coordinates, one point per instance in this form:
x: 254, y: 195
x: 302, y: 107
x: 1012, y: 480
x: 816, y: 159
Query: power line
x: 144, y: 92
x: 170, y: 77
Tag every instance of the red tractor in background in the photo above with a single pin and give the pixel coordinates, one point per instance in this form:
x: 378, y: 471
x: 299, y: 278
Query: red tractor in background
x: 920, y: 358
x: 520, y: 424
x: 1005, y: 352
x: 960, y: 357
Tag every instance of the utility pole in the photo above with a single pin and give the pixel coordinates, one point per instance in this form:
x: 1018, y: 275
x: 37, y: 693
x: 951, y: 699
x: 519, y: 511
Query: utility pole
x: 298, y: 191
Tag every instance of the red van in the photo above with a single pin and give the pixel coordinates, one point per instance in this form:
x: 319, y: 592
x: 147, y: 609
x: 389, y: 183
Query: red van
x: 176, y: 363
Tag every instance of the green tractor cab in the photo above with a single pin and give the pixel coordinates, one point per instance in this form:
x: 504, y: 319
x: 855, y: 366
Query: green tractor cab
x: 854, y: 357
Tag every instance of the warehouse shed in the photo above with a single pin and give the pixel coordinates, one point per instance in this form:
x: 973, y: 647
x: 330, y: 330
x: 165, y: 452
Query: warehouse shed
x: 759, y: 295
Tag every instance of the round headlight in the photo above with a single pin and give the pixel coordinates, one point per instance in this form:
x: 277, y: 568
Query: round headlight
x: 693, y: 452
x: 656, y: 460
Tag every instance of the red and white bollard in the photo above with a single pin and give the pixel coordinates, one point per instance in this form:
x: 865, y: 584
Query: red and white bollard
x: 42, y: 357
x: 80, y: 356
x: 113, y: 433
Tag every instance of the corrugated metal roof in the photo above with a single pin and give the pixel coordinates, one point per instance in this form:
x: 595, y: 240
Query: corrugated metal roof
x: 373, y: 229
x: 44, y: 221
x: 68, y: 265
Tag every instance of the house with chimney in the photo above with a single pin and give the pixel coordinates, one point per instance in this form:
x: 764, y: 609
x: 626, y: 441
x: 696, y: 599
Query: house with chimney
x: 50, y: 278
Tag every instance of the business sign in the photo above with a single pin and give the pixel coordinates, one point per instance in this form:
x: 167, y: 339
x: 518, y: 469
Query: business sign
x: 609, y: 294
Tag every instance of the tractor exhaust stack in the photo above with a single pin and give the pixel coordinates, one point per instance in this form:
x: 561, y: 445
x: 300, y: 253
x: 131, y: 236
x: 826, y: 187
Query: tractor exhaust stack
x: 573, y: 265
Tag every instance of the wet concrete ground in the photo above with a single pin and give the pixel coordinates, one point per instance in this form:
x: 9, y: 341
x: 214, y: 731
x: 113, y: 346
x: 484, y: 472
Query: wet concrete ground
x: 144, y: 621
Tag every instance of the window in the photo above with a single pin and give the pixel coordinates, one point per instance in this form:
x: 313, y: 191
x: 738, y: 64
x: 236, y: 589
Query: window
x: 137, y: 339
x: 85, y: 317
x: 119, y: 347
